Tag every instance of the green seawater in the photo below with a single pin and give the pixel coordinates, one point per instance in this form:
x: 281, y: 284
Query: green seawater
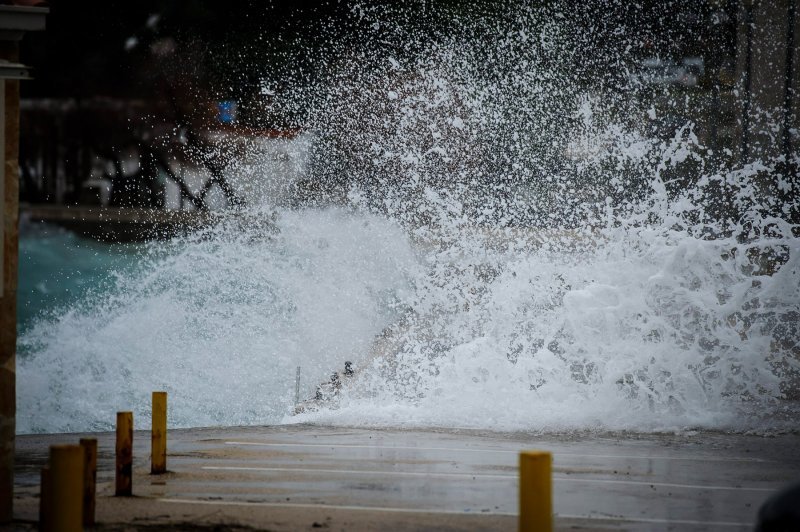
x: 58, y: 269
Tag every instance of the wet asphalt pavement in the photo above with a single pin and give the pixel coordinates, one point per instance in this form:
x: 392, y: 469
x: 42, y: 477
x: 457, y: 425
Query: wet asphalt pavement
x: 303, y: 476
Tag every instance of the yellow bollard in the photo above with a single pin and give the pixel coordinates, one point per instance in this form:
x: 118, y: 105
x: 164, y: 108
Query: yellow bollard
x: 89, y: 446
x: 535, y: 492
x: 124, y: 478
x: 66, y: 488
x: 45, y: 501
x: 158, y: 448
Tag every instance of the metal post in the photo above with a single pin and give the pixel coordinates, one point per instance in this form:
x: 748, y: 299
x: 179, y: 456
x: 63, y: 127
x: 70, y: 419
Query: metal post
x: 158, y: 440
x: 89, y: 446
x: 66, y: 488
x: 535, y: 492
x: 124, y: 452
x: 297, y: 387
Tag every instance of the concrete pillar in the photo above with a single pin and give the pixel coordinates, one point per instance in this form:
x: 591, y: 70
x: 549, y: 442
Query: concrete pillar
x: 8, y: 298
x: 14, y: 22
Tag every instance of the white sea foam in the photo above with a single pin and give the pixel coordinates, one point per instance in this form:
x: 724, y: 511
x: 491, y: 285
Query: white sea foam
x: 654, y: 329
x: 220, y: 321
x: 516, y: 252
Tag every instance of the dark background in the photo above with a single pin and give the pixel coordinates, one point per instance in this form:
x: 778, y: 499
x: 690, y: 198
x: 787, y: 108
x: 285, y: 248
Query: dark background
x: 120, y: 75
x: 224, y: 45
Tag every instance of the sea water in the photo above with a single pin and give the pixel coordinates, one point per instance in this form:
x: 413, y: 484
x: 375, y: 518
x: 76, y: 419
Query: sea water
x: 58, y: 269
x: 495, y: 239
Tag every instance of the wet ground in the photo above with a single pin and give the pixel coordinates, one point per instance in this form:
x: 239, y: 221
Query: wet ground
x: 301, y: 477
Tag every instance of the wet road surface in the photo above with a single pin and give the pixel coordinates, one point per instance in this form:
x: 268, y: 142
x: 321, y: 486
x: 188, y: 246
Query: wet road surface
x: 303, y: 476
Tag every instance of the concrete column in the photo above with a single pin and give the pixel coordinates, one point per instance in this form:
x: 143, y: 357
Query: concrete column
x: 8, y: 298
